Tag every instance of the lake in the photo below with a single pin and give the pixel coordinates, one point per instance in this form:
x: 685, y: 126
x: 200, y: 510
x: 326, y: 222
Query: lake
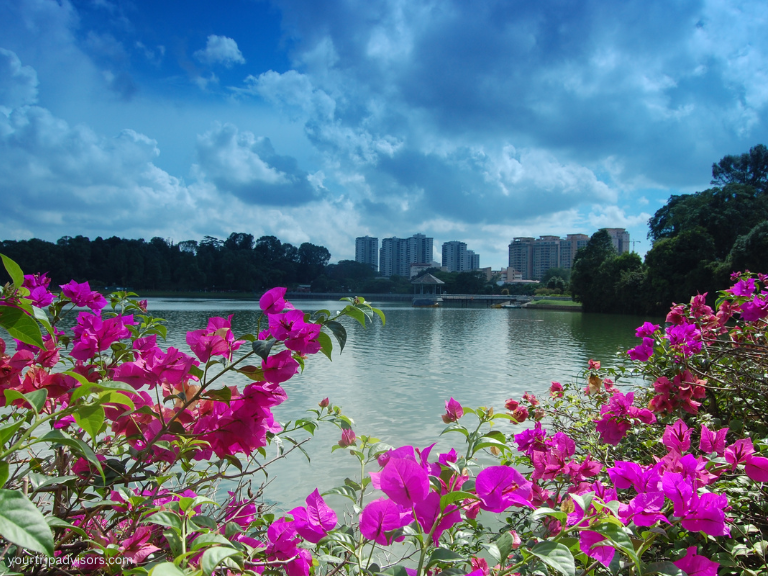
x: 393, y: 380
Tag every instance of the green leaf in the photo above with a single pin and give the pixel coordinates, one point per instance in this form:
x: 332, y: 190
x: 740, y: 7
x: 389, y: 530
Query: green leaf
x: 168, y: 519
x: 504, y: 544
x: 4, y: 473
x: 262, y: 347
x: 35, y: 399
x: 455, y: 427
x: 59, y: 437
x: 666, y: 568
x: 618, y: 537
x: 112, y: 397
x: 21, y: 326
x: 205, y: 540
x: 204, y: 522
x: 222, y: 394
x: 166, y: 569
x: 343, y: 491
x: 326, y: 345
x: 355, y: 313
x: 452, y: 497
x: 556, y: 556
x: 55, y: 522
x: 9, y: 430
x: 444, y: 555
x: 23, y: 524
x: 381, y: 315
x: 90, y: 417
x: 14, y: 271
x: 338, y: 330
x: 562, y: 516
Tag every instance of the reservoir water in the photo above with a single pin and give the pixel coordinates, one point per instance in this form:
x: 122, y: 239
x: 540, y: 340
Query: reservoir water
x: 393, y: 380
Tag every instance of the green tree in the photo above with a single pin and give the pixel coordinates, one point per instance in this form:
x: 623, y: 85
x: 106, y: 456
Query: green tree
x: 586, y: 284
x: 750, y: 168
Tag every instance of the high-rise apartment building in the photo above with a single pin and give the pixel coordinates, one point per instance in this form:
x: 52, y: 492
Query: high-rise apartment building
x: 568, y: 248
x: 472, y: 261
x: 533, y: 257
x: 367, y: 251
x: 521, y: 256
x: 397, y: 254
x: 454, y: 255
x: 620, y: 239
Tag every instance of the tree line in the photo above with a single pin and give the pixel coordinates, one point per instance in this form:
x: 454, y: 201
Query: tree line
x: 698, y: 241
x: 239, y: 263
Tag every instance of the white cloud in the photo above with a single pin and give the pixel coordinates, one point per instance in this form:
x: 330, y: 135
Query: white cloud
x: 18, y: 84
x: 220, y: 50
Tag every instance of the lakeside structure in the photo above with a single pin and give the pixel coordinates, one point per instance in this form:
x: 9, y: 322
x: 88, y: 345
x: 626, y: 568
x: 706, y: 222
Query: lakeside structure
x: 532, y: 257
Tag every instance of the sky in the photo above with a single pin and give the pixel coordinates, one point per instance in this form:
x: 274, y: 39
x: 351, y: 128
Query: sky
x: 323, y: 121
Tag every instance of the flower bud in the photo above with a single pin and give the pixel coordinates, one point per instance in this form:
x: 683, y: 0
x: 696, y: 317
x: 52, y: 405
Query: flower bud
x: 511, y: 404
x: 347, y: 438
x: 520, y: 414
x: 324, y: 403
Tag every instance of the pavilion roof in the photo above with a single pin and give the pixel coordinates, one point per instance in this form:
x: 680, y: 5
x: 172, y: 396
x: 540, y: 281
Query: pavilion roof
x: 427, y: 279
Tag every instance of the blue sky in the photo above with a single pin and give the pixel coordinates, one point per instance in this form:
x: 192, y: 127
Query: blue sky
x: 322, y: 121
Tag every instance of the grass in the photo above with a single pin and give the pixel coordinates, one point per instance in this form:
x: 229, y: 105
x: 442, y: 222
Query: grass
x: 554, y: 304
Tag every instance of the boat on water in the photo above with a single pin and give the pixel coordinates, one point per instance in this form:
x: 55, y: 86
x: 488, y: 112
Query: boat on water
x: 506, y: 305
x: 427, y: 302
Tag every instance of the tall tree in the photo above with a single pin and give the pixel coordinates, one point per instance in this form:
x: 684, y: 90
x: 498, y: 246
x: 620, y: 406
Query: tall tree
x: 749, y: 168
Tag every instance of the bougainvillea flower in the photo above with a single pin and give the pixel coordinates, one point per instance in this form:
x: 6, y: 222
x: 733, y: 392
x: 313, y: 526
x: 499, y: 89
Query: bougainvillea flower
x: 305, y: 340
x: 241, y: 512
x: 625, y: 474
x: 755, y: 309
x: 695, y: 565
x: 287, y: 325
x: 500, y: 487
x: 708, y: 515
x: 283, y: 545
x: 528, y: 397
x: 531, y: 440
x: 448, y: 458
x: 738, y: 452
x: 712, y: 440
x: 453, y: 411
x: 273, y: 302
x: 646, y: 330
x: 404, y: 481
x: 743, y: 288
x: 679, y: 490
x: 347, y: 437
x: 644, y: 509
x: 587, y: 541
x: 406, y: 452
x: 556, y: 390
x: 427, y: 512
x: 481, y: 565
x: 684, y: 337
x: 756, y: 468
x: 511, y: 404
x: 136, y: 547
x: 616, y: 416
x: 205, y: 345
x: 642, y: 352
x: 676, y: 315
x: 677, y: 437
x: 94, y: 334
x: 520, y: 414
x: 82, y: 295
x: 593, y: 364
x: 315, y: 521
x: 279, y: 367
x: 382, y: 516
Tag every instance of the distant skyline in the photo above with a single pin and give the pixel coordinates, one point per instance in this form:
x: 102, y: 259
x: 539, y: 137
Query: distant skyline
x: 322, y: 122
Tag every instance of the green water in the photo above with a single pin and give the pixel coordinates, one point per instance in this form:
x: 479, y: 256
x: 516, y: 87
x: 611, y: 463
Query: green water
x: 393, y: 380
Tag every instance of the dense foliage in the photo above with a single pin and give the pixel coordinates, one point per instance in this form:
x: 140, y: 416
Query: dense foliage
x: 698, y: 240
x: 238, y: 263
x: 112, y: 448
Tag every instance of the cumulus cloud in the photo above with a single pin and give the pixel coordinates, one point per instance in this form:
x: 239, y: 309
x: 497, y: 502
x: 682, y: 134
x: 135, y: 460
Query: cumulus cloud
x: 18, y: 84
x: 220, y: 50
x: 247, y: 166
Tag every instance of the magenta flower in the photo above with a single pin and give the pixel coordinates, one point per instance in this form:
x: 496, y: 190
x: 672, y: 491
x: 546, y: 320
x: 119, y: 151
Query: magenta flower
x: 587, y: 544
x: 644, y: 509
x: 279, y: 367
x: 404, y: 481
x: 382, y: 516
x: 283, y: 545
x: 531, y: 440
x: 743, y: 287
x: 642, y: 352
x: 556, y: 390
x: 754, y: 310
x: 738, y: 452
x: 347, y: 437
x: 617, y: 416
x: 94, y: 335
x: 500, y: 487
x: 695, y: 565
x: 679, y: 490
x: 684, y: 337
x: 305, y: 340
x: 427, y: 512
x: 756, y: 468
x: 453, y: 411
x: 708, y: 515
x: 712, y: 440
x: 241, y: 512
x: 272, y: 302
x: 646, y: 330
x: 448, y: 458
x: 287, y: 325
x: 82, y: 295
x: 315, y: 521
x: 136, y: 547
x: 677, y: 437
x: 520, y: 414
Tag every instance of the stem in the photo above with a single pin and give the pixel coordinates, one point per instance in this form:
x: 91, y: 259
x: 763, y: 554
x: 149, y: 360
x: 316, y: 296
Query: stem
x: 26, y: 435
